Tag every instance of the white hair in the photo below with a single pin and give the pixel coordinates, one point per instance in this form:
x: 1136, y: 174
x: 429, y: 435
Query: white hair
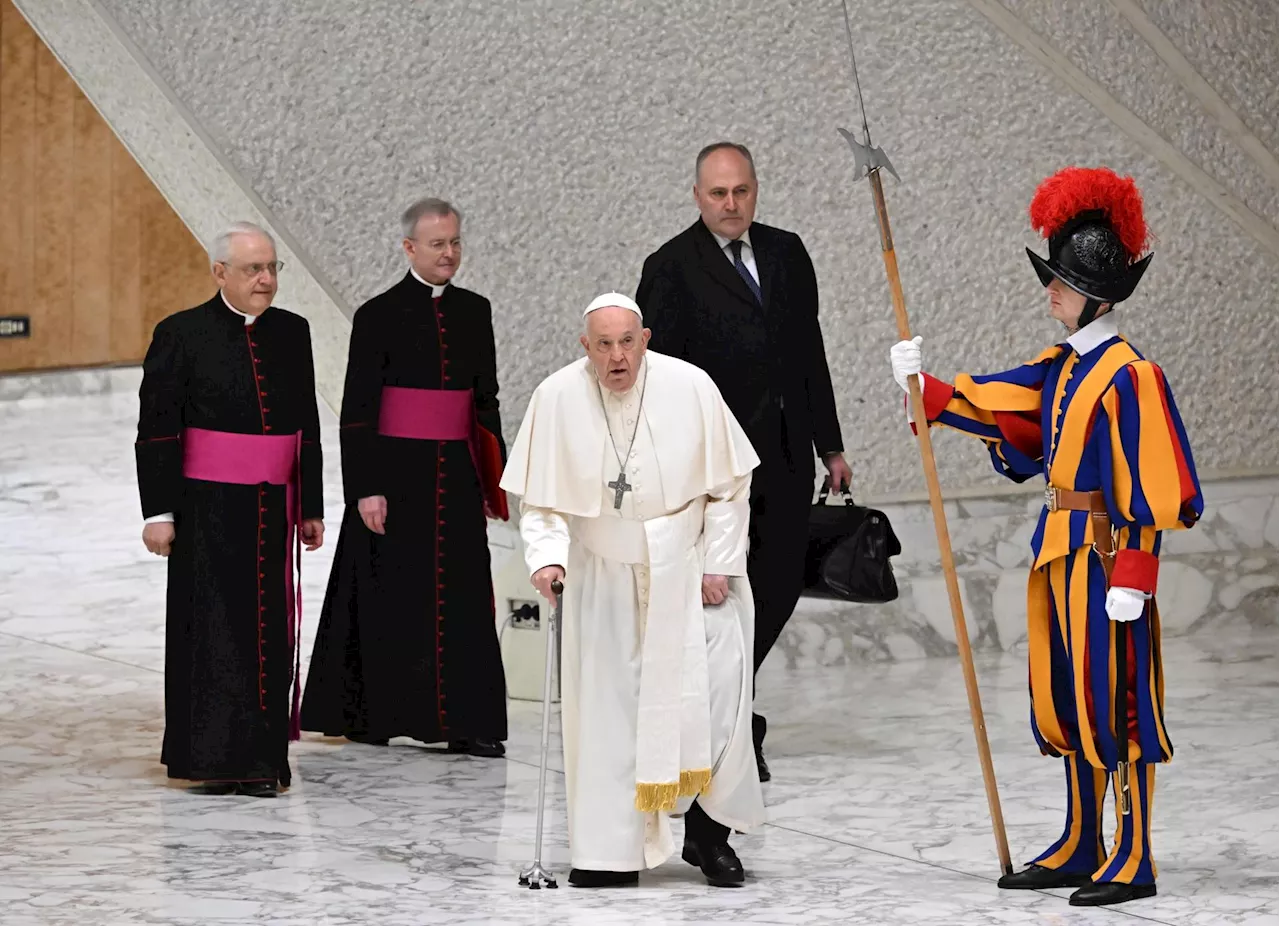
x: 220, y: 250
x: 410, y: 218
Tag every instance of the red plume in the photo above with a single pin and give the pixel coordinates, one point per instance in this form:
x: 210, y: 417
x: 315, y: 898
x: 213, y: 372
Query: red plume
x: 1074, y: 190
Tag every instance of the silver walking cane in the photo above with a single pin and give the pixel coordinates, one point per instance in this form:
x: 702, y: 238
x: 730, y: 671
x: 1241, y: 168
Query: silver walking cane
x: 535, y: 875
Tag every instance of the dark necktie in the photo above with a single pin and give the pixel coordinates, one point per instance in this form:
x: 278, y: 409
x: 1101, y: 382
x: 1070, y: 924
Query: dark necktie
x: 738, y: 265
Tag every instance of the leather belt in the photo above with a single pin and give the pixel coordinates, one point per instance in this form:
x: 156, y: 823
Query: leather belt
x: 1095, y: 503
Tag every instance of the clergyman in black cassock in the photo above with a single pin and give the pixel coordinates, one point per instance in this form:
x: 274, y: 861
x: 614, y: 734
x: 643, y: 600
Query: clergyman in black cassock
x: 229, y: 388
x: 740, y: 300
x: 407, y: 643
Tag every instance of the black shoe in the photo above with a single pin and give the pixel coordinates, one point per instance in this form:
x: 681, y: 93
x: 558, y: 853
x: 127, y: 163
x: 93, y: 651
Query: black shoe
x: 481, y: 748
x: 585, y: 877
x: 1037, y: 878
x: 719, y: 863
x: 258, y: 789
x: 215, y: 788
x: 368, y: 740
x: 1106, y: 893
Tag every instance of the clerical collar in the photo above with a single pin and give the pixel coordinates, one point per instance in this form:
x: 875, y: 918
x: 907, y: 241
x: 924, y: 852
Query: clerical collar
x: 724, y: 242
x: 1093, y: 335
x: 436, y: 288
x: 248, y: 319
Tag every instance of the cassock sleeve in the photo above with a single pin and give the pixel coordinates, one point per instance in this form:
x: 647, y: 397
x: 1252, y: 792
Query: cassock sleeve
x: 486, y: 382
x: 312, y: 456
x: 546, y: 538
x: 361, y: 402
x: 725, y: 529
x: 1002, y: 410
x: 662, y: 303
x: 817, y: 378
x: 1148, y: 474
x: 158, y: 450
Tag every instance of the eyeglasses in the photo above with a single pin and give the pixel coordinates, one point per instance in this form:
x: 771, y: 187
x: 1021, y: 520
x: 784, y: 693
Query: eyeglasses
x: 252, y: 270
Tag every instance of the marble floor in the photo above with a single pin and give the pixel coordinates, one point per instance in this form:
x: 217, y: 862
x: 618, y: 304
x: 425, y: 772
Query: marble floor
x: 877, y: 812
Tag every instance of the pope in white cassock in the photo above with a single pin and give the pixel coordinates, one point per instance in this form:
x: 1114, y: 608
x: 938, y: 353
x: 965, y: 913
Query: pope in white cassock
x: 634, y: 479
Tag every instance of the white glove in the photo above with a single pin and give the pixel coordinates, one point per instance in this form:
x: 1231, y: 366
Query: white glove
x: 905, y: 359
x: 1125, y: 604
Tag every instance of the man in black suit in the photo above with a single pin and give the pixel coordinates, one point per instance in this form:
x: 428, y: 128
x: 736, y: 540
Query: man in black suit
x: 740, y: 300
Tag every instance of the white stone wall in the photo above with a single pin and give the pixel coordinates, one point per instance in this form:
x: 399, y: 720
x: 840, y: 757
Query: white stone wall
x: 566, y: 132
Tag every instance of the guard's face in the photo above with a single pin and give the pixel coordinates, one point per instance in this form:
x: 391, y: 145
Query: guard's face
x: 435, y: 250
x: 726, y: 193
x: 250, y: 275
x: 615, y: 341
x: 1065, y: 304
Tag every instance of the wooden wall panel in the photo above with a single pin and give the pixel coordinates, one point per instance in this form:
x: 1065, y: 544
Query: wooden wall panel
x: 52, y: 191
x: 89, y: 249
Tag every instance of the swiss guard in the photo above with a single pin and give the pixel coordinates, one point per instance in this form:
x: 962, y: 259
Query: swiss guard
x: 1098, y: 421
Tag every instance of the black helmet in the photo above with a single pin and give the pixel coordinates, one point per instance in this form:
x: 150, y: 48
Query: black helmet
x: 1093, y: 220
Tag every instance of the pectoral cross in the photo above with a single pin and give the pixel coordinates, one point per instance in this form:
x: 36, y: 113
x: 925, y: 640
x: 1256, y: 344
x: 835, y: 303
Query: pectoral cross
x: 619, y: 486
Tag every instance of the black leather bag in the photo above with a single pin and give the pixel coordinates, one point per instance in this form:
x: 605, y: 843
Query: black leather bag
x: 849, y: 550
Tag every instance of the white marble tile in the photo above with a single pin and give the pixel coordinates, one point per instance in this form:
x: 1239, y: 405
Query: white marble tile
x: 877, y: 814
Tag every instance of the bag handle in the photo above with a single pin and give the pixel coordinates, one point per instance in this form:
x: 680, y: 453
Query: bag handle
x: 825, y: 492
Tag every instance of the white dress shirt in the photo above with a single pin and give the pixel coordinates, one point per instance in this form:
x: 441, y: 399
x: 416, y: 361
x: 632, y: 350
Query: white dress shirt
x: 1095, y: 334
x: 748, y: 252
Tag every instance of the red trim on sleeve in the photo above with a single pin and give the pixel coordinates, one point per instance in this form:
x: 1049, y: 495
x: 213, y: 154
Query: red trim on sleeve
x: 936, y: 396
x: 1136, y: 569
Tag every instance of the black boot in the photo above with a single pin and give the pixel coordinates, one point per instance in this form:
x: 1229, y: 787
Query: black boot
x: 706, y: 846
x: 585, y: 877
x: 719, y: 863
x: 759, y: 727
x: 368, y: 739
x: 1036, y: 878
x: 1106, y: 893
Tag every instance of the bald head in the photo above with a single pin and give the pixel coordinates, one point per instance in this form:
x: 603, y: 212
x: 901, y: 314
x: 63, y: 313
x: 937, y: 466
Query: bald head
x: 725, y: 189
x: 615, y: 340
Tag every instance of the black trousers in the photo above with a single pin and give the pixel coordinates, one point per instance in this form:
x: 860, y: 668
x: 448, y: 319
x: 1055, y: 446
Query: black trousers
x: 781, y: 496
x: 701, y: 829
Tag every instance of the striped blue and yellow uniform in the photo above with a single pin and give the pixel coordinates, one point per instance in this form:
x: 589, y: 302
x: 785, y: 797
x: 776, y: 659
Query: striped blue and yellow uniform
x: 1102, y: 421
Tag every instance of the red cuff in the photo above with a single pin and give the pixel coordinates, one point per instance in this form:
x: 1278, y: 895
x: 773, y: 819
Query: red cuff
x: 937, y: 395
x: 1136, y: 569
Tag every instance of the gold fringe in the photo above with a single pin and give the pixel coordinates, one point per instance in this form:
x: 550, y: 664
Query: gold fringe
x: 655, y: 796
x: 694, y: 781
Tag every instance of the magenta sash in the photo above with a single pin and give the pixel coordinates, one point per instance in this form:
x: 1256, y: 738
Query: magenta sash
x: 250, y: 459
x: 426, y: 414
x: 447, y: 414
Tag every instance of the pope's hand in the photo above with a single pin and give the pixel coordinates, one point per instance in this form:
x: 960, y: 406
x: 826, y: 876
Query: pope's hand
x: 158, y: 536
x: 543, y: 578
x: 715, y: 589
x: 905, y: 358
x: 1125, y: 604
